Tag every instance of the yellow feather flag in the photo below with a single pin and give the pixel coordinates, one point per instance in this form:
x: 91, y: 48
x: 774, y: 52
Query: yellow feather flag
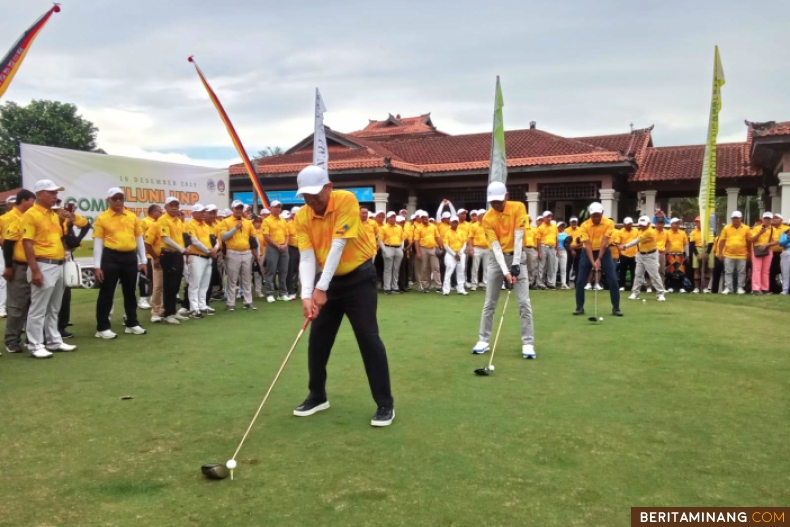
x: 707, y: 187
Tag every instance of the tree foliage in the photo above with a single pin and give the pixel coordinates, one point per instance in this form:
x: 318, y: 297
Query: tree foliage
x: 268, y: 152
x: 45, y: 123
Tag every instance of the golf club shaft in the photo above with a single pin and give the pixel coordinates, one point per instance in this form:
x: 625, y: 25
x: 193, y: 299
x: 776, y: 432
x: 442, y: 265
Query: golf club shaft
x: 299, y: 336
x: 501, y: 319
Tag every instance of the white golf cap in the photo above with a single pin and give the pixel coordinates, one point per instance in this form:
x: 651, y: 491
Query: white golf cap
x: 481, y: 211
x: 462, y: 210
x: 197, y: 207
x: 540, y: 217
x: 473, y: 211
x: 454, y: 218
x: 11, y: 200
x: 265, y: 211
x: 776, y: 215
x: 114, y: 192
x: 391, y: 214
x: 673, y: 220
x: 628, y: 221
x: 225, y: 213
x: 236, y: 204
x: 497, y: 191
x: 411, y: 218
x: 380, y: 213
x: 736, y: 214
x: 446, y: 215
x: 171, y: 199
x: 285, y: 215
x: 275, y: 203
x: 595, y: 208
x: 46, y: 184
x: 399, y: 219
x: 768, y: 215
x: 547, y: 213
x: 211, y: 207
x: 294, y: 210
x: 577, y: 220
x: 561, y: 223
x: 311, y: 180
x: 644, y: 221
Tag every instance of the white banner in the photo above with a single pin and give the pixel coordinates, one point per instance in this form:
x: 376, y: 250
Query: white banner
x: 87, y: 177
x: 320, y: 151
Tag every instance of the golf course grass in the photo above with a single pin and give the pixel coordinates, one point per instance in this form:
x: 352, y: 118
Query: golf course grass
x: 683, y: 403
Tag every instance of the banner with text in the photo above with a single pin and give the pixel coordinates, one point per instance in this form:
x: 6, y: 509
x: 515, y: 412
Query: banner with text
x: 87, y: 177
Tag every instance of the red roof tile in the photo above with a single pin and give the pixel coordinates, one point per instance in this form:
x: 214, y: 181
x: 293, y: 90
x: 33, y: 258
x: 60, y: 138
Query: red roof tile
x: 768, y: 129
x: 397, y: 127
x: 634, y: 143
x: 685, y: 162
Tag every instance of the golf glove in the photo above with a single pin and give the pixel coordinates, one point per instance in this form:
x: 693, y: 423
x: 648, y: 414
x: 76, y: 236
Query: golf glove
x: 515, y: 270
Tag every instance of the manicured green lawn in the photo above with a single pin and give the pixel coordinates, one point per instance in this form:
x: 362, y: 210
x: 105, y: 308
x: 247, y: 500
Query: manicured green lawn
x: 85, y: 249
x: 683, y: 403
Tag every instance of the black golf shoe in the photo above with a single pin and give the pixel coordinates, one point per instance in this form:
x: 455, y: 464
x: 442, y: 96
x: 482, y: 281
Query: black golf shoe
x: 383, y: 417
x: 616, y: 312
x: 311, y: 405
x: 579, y: 311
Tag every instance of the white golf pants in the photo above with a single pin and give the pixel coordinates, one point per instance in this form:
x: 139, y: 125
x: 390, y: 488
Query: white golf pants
x: 451, y: 265
x: 647, y: 263
x: 42, y: 317
x: 199, y: 280
x: 481, y: 256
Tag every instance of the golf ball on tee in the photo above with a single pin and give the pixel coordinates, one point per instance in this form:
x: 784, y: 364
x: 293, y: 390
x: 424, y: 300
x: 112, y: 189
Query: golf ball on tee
x: 644, y: 301
x: 601, y: 319
x: 491, y: 367
x: 231, y: 464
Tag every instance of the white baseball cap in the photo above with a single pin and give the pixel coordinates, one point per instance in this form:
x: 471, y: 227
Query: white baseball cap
x: 11, y: 200
x: 399, y: 219
x: 547, y: 213
x: 47, y: 185
x: 265, y: 211
x: 275, y: 203
x: 481, y: 211
x: 311, y: 180
x: 285, y: 215
x: 673, y: 220
x: 171, y: 199
x: 736, y: 214
x: 391, y: 214
x: 446, y: 215
x: 777, y: 215
x: 628, y: 221
x: 768, y: 215
x: 540, y: 217
x: 595, y: 208
x: 497, y: 191
x: 644, y: 221
x: 380, y: 213
x: 226, y: 213
x: 197, y: 207
x: 462, y: 210
x: 454, y: 218
x: 114, y: 192
x: 294, y: 210
x: 577, y: 220
x: 211, y: 207
x: 236, y: 204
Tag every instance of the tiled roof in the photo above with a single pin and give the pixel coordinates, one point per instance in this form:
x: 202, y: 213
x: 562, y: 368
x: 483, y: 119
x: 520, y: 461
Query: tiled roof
x: 685, y: 162
x: 398, y: 127
x: 633, y: 143
x: 768, y: 129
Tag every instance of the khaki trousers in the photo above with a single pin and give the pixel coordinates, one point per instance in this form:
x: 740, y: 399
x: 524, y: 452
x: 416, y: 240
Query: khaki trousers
x: 157, y: 307
x: 430, y: 275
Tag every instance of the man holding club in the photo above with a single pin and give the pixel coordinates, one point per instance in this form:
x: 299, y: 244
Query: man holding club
x: 646, y: 259
x: 504, y: 224
x: 330, y: 235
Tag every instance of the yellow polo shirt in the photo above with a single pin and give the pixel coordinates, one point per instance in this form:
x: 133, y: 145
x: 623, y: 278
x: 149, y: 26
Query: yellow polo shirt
x: 661, y: 240
x: 340, y: 221
x: 547, y: 234
x: 501, y: 226
x: 276, y: 228
x: 117, y: 230
x: 596, y: 233
x: 696, y: 238
x: 240, y: 241
x: 761, y: 239
x: 677, y: 241
x: 626, y: 237
x: 529, y: 238
x: 456, y: 239
x: 573, y: 232
x: 201, y: 231
x: 153, y: 238
x: 12, y: 231
x: 478, y: 235
x: 778, y: 234
x: 614, y: 241
x: 426, y: 235
x: 647, y: 240
x: 291, y: 229
x: 43, y: 227
x: 443, y: 228
x: 391, y: 234
x: 736, y: 241
x: 145, y: 224
x: 408, y: 232
x: 172, y: 227
x: 372, y: 226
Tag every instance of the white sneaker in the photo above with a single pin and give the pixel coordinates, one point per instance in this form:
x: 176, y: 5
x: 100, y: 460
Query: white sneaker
x: 670, y: 290
x: 598, y: 287
x: 564, y: 286
x: 143, y: 303
x: 588, y: 287
x: 633, y: 296
x: 210, y: 310
x: 41, y: 354
x: 706, y: 291
x: 468, y: 285
x: 258, y: 294
x: 480, y: 348
x: 3, y: 313
x: 741, y: 291
x: 136, y: 330
x: 661, y: 298
x: 528, y: 351
x: 473, y: 288
x: 155, y: 319
x: 681, y: 291
x: 270, y: 299
x: 649, y: 289
x: 622, y: 289
x: 19, y: 350
x: 183, y: 312
x: 171, y: 320
x: 179, y: 316
x: 62, y: 347
x: 696, y: 291
x: 726, y: 291
x: 284, y: 298
x: 464, y: 293
x: 106, y: 334
x: 503, y: 287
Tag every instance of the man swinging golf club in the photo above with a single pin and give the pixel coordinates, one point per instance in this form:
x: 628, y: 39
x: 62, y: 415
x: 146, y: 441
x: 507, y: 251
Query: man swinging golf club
x: 329, y: 232
x: 504, y: 226
x: 595, y: 235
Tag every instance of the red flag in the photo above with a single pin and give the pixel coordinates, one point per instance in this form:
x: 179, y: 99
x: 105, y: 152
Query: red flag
x: 14, y: 58
x: 233, y: 136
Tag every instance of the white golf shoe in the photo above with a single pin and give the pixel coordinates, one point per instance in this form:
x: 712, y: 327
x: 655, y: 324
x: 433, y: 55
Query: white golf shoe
x: 633, y: 296
x: 136, y: 330
x: 598, y: 287
x: 696, y: 291
x: 40, y: 354
x: 649, y: 289
x: 184, y: 312
x: 480, y: 348
x: 173, y: 321
x: 588, y: 287
x: 741, y: 291
x: 156, y: 319
x: 528, y: 351
x: 726, y: 291
x: 622, y: 289
x: 270, y: 299
x: 62, y: 347
x: 106, y: 334
x: 661, y: 298
x: 143, y: 303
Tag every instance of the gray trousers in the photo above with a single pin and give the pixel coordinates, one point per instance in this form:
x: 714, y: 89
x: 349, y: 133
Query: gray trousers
x: 785, y: 265
x: 17, y: 305
x: 547, y: 269
x: 276, y: 266
x: 42, y: 318
x: 521, y: 290
x: 532, y: 263
x: 481, y: 256
x: 392, y: 258
x: 731, y: 265
x: 238, y: 266
x: 647, y: 263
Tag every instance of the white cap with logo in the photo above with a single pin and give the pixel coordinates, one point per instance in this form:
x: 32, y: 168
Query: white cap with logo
x: 446, y: 215
x: 311, y: 180
x: 644, y: 221
x: 275, y: 203
x: 46, y: 185
x: 171, y: 199
x: 114, y: 192
x: 736, y: 214
x: 497, y: 191
x: 391, y: 214
x: 236, y: 204
x: 628, y: 221
x: 595, y: 208
x: 211, y: 207
x: 197, y: 207
x: 768, y: 215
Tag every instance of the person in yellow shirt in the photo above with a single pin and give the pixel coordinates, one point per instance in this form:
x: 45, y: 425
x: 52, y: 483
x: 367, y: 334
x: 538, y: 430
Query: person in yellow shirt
x: 171, y: 258
x: 118, y: 256
x: 677, y: 249
x: 152, y: 214
x: 275, y: 234
x: 414, y: 264
x: 481, y: 251
x: 734, y: 243
x: 153, y: 249
x: 428, y: 246
x: 595, y: 234
x: 548, y: 252
x: 15, y: 272
x: 236, y: 233
x: 775, y: 278
x: 576, y: 248
x: 661, y: 246
x: 627, y: 257
x: 531, y: 254
x: 201, y: 253
x: 391, y: 246
x: 455, y: 251
x: 10, y: 202
x: 42, y: 240
x: 258, y: 265
x: 331, y: 237
x: 293, y: 255
x: 504, y: 225
x: 646, y: 259
x: 699, y: 256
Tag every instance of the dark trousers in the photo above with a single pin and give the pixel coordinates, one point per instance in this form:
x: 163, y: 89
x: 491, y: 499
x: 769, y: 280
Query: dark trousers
x: 145, y: 286
x: 776, y: 270
x: 172, y: 269
x: 609, y: 274
x: 627, y: 263
x: 293, y: 270
x: 117, y: 266
x: 379, y: 263
x: 355, y: 296
x: 64, y: 315
x: 575, y: 265
x: 718, y: 270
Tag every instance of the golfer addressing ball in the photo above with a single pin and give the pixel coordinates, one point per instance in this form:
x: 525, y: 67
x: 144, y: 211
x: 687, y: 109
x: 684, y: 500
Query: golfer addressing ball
x: 504, y: 226
x: 595, y: 235
x: 330, y: 236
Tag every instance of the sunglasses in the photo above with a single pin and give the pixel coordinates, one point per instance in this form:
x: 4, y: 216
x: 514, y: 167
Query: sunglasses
x: 117, y: 198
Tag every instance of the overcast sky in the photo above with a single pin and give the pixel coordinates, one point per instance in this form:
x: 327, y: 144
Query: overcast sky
x: 575, y: 67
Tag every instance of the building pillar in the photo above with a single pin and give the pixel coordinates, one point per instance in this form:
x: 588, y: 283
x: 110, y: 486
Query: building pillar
x: 607, y: 199
x: 784, y: 186
x: 533, y: 202
x: 616, y: 206
x: 776, y: 199
x: 650, y: 203
x: 380, y: 200
x: 732, y: 202
x: 411, y: 206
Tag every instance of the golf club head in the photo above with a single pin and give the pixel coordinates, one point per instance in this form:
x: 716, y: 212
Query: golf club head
x: 592, y: 319
x: 215, y: 470
x: 482, y: 371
